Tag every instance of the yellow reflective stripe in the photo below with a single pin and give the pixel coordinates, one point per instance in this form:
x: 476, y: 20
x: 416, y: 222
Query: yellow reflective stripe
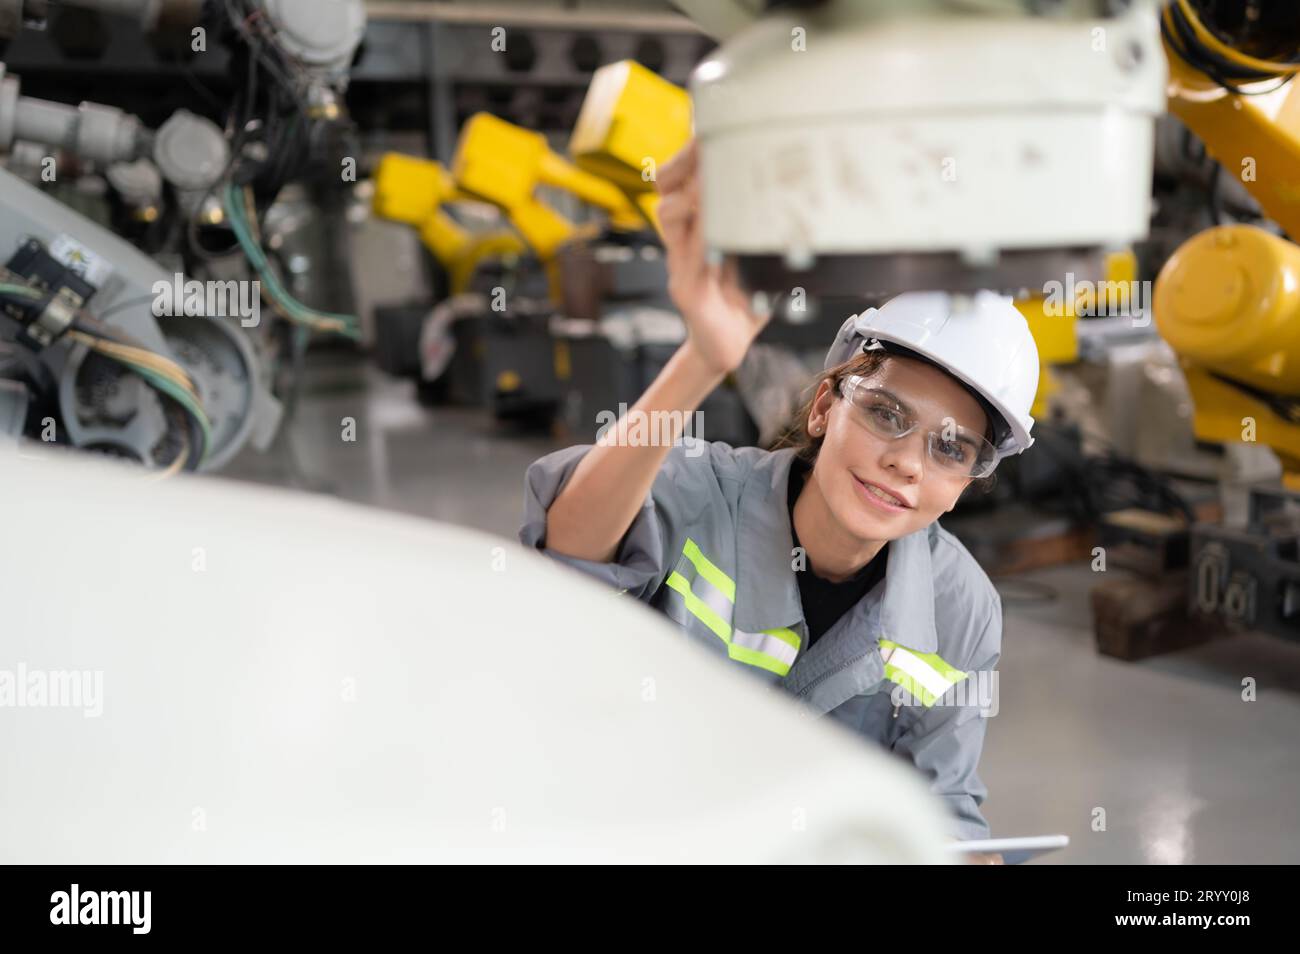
x: 724, y: 583
x: 787, y: 636
x: 698, y: 607
x: 715, y: 580
x: 777, y: 647
x: 896, y: 675
x: 938, y: 672
x: 707, y: 593
x: 754, y: 658
x: 951, y: 674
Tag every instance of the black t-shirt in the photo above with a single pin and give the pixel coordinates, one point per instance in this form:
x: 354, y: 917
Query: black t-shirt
x: 824, y: 602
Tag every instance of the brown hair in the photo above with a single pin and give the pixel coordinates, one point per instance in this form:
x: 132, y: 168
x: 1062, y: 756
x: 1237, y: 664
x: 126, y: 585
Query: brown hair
x: 807, y: 446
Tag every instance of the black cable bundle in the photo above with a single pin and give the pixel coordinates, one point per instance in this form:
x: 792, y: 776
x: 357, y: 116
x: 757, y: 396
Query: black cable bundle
x: 1229, y: 68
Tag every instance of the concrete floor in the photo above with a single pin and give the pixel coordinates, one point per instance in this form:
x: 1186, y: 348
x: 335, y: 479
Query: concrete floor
x: 1164, y: 754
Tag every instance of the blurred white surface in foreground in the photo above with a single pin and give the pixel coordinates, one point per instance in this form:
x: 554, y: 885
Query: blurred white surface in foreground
x: 288, y: 678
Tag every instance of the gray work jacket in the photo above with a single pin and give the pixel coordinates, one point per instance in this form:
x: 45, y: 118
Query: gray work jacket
x: 712, y: 549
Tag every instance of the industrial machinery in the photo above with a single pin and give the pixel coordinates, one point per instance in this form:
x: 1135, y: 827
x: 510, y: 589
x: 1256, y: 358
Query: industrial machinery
x: 505, y: 165
x: 502, y: 164
x: 874, y: 146
x: 106, y: 349
x: 631, y: 121
x: 1226, y: 300
x: 95, y: 356
x: 415, y: 192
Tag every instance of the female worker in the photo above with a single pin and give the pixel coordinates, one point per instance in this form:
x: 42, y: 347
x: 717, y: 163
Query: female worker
x: 819, y: 566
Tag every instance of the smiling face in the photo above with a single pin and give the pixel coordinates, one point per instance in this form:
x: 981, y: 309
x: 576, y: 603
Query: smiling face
x: 879, y: 489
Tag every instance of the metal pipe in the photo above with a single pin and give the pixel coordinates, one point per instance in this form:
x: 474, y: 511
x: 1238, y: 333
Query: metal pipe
x: 92, y: 131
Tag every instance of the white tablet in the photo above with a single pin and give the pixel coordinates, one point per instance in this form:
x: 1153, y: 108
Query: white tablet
x: 1013, y: 850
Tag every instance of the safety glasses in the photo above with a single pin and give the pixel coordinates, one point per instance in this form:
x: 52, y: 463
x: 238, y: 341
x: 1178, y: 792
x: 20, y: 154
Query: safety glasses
x: 952, y: 449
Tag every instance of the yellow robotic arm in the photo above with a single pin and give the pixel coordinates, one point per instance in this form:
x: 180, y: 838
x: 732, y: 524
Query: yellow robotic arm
x: 414, y: 191
x: 1255, y: 135
x: 1228, y: 300
x: 499, y: 162
x: 631, y: 122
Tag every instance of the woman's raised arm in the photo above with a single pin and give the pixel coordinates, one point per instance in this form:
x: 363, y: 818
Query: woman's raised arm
x: 599, y: 502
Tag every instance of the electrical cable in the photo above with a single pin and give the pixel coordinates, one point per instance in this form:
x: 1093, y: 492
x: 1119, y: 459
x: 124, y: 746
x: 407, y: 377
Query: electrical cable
x: 235, y: 205
x: 1197, y: 45
x: 1242, y: 60
x: 161, y: 373
x: 177, y: 465
x: 23, y: 291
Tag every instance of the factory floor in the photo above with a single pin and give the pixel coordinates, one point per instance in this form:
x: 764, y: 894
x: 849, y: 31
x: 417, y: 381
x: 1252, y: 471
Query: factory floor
x: 1157, y: 762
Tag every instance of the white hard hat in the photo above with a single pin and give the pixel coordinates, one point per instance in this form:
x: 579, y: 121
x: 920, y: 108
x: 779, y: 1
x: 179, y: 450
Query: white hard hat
x: 980, y: 339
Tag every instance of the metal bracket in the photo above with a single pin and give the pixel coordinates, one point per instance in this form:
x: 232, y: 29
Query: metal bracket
x: 56, y: 318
